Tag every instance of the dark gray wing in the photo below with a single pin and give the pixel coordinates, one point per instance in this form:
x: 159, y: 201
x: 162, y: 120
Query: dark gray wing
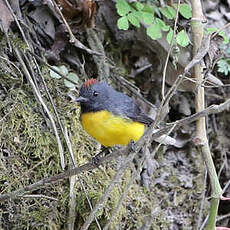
x: 123, y: 105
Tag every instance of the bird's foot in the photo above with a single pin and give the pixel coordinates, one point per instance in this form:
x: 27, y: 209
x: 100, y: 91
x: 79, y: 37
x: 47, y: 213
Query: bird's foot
x: 131, y: 146
x: 97, y: 157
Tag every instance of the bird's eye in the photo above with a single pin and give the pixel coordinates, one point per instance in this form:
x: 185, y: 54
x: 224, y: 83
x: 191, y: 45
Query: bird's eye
x: 95, y: 93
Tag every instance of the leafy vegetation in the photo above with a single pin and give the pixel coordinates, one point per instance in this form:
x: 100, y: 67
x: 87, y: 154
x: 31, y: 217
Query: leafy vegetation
x: 70, y: 75
x: 224, y: 66
x: 221, y: 33
x: 136, y: 13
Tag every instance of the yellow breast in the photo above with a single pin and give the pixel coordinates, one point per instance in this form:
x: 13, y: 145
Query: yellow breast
x: 111, y: 130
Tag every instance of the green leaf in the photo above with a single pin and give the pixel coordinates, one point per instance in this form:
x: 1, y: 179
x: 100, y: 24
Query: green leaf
x: 224, y: 66
x: 185, y: 10
x: 166, y: 12
x: 182, y: 38
x: 148, y: 9
x: 123, y: 23
x: 138, y: 14
x: 225, y: 37
x: 147, y: 17
x: 138, y: 5
x: 156, y: 11
x: 154, y: 31
x: 123, y: 7
x: 211, y: 29
x: 172, y: 11
x: 74, y: 78
x: 162, y: 25
x: 133, y: 19
x: 169, y: 36
x: 221, y: 33
x: 62, y: 69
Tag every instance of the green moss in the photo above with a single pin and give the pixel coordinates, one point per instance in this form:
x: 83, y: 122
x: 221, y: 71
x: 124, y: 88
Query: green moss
x: 29, y: 153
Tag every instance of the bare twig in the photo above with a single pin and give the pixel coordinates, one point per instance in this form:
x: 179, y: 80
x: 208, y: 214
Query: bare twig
x: 107, y: 192
x: 17, y: 22
x: 223, y: 217
x: 40, y: 196
x: 226, y: 186
x: 50, y: 67
x: 72, y: 203
x: 38, y: 96
x: 221, y: 29
x: 132, y: 179
x: 35, y: 90
x: 96, y: 44
x: 72, y: 192
x: 163, y: 110
x: 169, y: 52
x: 123, y: 196
x: 73, y: 40
x: 108, y: 158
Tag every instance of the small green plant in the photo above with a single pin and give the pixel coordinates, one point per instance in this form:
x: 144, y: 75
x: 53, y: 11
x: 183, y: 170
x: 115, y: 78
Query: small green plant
x: 224, y: 66
x: 135, y: 13
x: 70, y: 75
x: 221, y: 33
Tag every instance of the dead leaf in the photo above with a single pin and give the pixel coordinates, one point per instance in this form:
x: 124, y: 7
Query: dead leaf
x: 5, y: 17
x: 44, y: 23
x: 164, y: 139
x: 79, y: 13
x: 203, y: 50
x: 214, y: 80
x: 184, y: 106
x: 213, y: 53
x: 60, y: 42
x: 208, y: 53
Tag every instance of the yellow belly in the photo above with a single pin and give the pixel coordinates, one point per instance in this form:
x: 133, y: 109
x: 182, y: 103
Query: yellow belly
x: 111, y: 130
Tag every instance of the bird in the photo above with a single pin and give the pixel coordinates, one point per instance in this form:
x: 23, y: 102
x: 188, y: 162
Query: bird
x: 109, y: 116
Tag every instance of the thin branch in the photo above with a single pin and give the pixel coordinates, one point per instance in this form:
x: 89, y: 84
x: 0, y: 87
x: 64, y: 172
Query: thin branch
x: 50, y: 67
x: 223, y: 217
x: 213, y: 109
x: 73, y: 180
x: 73, y: 40
x: 169, y: 52
x: 123, y: 196
x: 108, y: 190
x: 132, y: 179
x: 40, y: 196
x: 36, y: 92
x: 17, y: 22
x: 41, y: 101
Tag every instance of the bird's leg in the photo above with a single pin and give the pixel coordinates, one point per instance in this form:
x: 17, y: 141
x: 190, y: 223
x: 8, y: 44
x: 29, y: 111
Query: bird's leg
x: 131, y: 146
x: 96, y: 158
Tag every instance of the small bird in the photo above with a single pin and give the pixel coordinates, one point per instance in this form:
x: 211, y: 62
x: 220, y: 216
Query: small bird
x: 111, y: 117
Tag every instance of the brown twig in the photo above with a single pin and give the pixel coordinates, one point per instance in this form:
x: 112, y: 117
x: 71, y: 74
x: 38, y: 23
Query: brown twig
x: 108, y: 158
x: 132, y: 179
x: 125, y: 163
x: 73, y: 40
x: 169, y: 52
x: 41, y: 101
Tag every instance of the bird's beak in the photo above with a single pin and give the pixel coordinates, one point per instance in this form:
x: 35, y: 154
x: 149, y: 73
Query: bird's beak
x: 81, y: 99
